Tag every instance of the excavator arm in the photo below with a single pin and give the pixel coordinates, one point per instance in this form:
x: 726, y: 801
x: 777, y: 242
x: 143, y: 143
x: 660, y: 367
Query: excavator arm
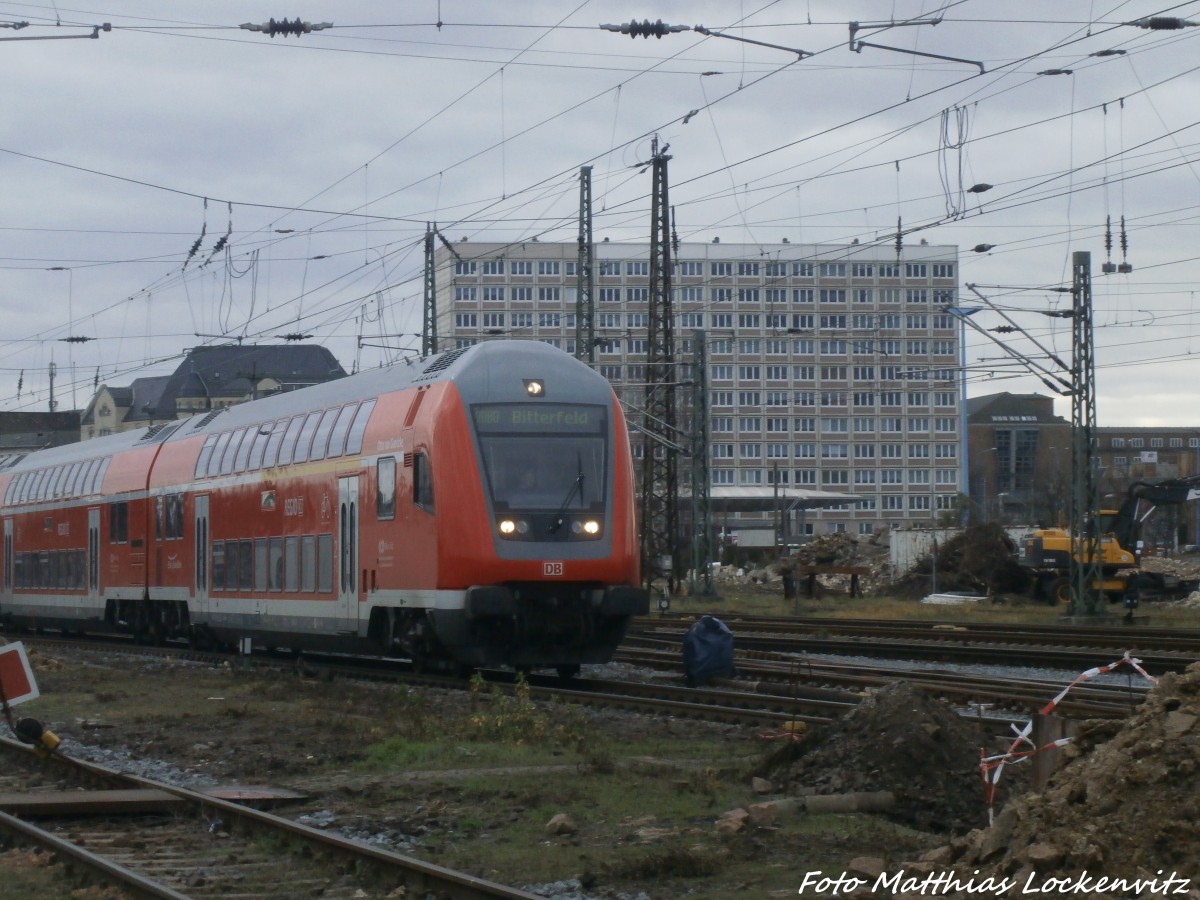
x: 1142, y: 498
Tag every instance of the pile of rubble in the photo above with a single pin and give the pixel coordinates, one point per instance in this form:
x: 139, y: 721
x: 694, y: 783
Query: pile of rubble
x: 980, y: 558
x: 829, y: 551
x: 1124, y: 804
x: 898, y: 740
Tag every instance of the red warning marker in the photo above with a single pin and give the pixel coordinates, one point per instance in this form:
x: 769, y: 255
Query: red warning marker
x: 16, y: 675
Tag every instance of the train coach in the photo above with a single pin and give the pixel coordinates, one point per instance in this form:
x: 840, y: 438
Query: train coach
x: 475, y: 508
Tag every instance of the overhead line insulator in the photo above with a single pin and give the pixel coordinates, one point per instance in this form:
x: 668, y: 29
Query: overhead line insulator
x: 284, y: 27
x: 645, y: 28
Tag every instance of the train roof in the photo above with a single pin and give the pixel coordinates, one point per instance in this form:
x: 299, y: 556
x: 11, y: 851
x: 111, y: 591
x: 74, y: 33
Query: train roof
x: 493, y: 370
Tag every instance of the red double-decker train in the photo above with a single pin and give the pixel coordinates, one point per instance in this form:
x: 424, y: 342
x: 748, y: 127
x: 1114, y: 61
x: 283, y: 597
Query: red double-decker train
x: 475, y: 508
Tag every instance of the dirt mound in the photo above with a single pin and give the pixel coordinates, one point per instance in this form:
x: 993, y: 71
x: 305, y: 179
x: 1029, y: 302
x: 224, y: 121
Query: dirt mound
x: 900, y: 740
x: 1124, y: 804
x: 980, y: 558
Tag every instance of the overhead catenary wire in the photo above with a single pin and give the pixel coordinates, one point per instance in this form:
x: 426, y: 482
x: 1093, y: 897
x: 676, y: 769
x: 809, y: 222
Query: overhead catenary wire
x: 741, y: 183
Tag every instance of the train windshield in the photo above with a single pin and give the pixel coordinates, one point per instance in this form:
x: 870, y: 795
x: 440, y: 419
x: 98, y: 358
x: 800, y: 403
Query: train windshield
x: 543, y: 456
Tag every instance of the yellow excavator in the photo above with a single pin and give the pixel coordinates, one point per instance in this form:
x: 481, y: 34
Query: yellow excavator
x: 1047, y: 551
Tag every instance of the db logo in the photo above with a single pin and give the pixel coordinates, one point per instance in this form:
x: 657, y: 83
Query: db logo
x: 552, y: 569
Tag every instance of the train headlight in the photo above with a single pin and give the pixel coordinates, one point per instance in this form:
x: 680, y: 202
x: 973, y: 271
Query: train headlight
x: 591, y: 528
x: 510, y: 527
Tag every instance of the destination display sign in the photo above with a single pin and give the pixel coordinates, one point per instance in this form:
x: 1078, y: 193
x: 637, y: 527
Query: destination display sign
x: 524, y: 418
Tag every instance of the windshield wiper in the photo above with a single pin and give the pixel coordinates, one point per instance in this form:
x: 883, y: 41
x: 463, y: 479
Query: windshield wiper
x: 576, y: 485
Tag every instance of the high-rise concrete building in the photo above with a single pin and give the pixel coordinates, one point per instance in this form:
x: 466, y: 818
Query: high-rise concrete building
x: 830, y: 368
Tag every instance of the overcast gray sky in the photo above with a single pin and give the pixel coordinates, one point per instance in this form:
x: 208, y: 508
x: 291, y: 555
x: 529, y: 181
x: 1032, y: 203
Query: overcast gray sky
x: 303, y: 169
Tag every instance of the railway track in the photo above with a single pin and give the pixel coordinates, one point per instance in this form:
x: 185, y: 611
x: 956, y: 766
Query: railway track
x: 1160, y: 650
x: 774, y: 686
x: 772, y: 674
x: 156, y: 840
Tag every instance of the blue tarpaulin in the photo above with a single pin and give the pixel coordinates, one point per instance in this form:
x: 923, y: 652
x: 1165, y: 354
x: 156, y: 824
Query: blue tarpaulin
x: 707, y: 651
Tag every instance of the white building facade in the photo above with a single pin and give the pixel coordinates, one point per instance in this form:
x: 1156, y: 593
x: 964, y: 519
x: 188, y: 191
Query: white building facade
x: 830, y: 367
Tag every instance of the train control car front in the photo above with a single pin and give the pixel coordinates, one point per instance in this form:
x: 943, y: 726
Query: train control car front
x: 554, y: 579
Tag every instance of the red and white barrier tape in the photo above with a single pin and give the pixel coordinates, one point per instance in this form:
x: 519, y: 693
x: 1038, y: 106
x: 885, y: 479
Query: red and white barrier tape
x: 991, y: 767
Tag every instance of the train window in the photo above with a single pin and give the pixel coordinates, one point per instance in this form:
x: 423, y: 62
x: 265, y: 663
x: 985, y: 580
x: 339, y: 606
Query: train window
x: 67, y: 481
x: 422, y: 482
x: 218, y: 564
x: 214, y: 461
x: 260, y: 564
x: 235, y: 441
x: 175, y: 516
x: 243, y: 454
x: 291, y: 564
x: 276, y: 563
x: 34, y: 479
x: 354, y: 440
x: 75, y: 485
x: 35, y: 485
x: 75, y: 482
x: 337, y: 438
x: 321, y: 438
x: 98, y: 475
x: 308, y: 563
x: 306, y: 436
x: 325, y: 563
x: 68, y: 485
x: 246, y: 565
x: 272, y: 453
x: 287, y: 450
x: 118, y: 522
x: 160, y: 516
x: 261, y: 436
x: 205, y: 455
x: 231, y: 565
x: 385, y: 488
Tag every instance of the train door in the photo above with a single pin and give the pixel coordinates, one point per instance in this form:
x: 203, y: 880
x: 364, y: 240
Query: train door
x: 200, y: 576
x: 94, y: 600
x: 348, y: 554
x: 6, y: 594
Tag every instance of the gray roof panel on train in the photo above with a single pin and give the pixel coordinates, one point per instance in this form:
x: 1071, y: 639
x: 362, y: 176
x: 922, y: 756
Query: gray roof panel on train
x: 489, y: 372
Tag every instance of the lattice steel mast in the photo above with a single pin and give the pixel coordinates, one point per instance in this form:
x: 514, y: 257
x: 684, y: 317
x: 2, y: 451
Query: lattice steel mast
x: 585, y: 273
x: 429, y: 338
x: 702, y: 556
x: 1083, y: 567
x: 660, y: 488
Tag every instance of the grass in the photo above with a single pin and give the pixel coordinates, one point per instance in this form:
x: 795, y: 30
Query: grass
x: 644, y: 808
x: 1018, y: 610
